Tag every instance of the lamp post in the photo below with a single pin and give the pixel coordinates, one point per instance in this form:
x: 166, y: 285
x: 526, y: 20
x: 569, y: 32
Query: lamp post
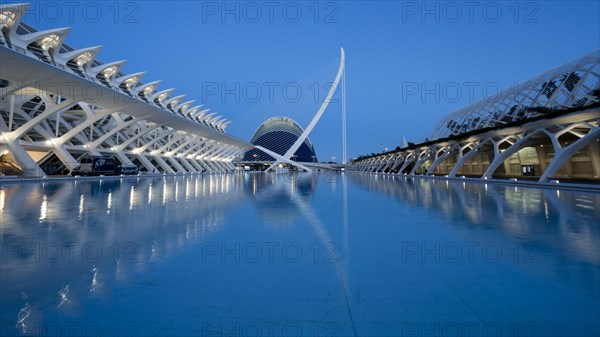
x: 255, y: 157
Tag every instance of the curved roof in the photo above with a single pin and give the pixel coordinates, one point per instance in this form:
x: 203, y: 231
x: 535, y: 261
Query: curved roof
x: 574, y: 84
x: 279, y: 124
x: 278, y: 134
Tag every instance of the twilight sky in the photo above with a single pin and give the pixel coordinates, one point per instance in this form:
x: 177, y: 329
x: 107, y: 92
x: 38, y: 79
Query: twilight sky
x: 408, y: 62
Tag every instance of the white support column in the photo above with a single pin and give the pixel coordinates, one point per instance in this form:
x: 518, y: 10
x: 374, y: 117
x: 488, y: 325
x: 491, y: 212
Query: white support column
x: 399, y: 160
x: 206, y: 167
x: 180, y: 169
x: 166, y: 168
x: 446, y: 153
x: 151, y: 168
x: 121, y: 125
x: 562, y: 155
x: 28, y: 165
x: 423, y: 158
x: 197, y: 165
x: 500, y: 157
x: 211, y: 165
x: 143, y: 132
x: 187, y: 164
x: 409, y: 160
x: 50, y: 110
x: 463, y: 158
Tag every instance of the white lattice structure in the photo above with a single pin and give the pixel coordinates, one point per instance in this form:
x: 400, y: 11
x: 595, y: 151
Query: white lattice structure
x: 59, y: 103
x: 544, y: 128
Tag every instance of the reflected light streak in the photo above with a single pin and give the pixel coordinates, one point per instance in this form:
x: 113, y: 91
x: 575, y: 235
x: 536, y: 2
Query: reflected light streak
x: 187, y: 189
x: 132, y: 198
x: 109, y: 202
x: 94, y: 278
x: 44, y: 208
x: 2, y: 198
x: 165, y: 192
x: 81, y: 204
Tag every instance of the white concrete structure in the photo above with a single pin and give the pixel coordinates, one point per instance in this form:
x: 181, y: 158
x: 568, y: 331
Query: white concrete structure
x: 287, y: 157
x: 58, y: 103
x: 545, y: 128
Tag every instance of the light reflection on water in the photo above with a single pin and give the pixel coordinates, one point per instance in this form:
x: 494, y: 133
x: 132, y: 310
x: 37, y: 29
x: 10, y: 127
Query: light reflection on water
x: 341, y: 255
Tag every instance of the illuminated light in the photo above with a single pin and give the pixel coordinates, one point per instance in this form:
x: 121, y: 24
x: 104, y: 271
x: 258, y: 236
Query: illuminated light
x: 44, y: 208
x: 109, y: 202
x: 5, y: 152
x: 48, y: 142
x: 7, y: 18
x: 555, y: 181
x: 81, y: 204
x: 83, y: 59
x: 108, y: 72
x: 94, y: 279
x: 132, y: 198
x: 130, y: 81
x: 149, y: 89
x: 513, y: 179
x: 162, y: 96
x: 50, y: 41
x: 2, y: 200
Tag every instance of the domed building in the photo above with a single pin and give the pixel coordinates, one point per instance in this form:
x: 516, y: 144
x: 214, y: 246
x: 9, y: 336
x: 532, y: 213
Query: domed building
x: 278, y: 134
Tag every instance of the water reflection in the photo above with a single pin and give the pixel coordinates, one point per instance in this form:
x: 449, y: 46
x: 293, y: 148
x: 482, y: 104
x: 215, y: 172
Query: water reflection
x: 278, y: 198
x: 565, y: 221
x: 78, y: 244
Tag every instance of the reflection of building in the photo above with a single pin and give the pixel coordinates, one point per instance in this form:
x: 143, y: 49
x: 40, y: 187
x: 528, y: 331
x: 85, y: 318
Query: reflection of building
x: 288, y: 193
x: 278, y: 134
x: 544, y: 128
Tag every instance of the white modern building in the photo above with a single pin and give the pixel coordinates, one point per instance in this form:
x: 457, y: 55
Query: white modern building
x: 545, y: 128
x: 59, y: 103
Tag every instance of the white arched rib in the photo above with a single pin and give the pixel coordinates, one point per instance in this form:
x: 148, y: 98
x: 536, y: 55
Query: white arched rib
x: 315, y: 119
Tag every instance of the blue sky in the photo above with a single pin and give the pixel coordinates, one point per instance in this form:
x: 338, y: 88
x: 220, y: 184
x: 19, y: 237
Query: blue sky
x: 451, y: 50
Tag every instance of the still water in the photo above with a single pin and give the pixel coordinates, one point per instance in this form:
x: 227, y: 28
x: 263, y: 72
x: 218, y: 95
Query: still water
x: 256, y: 254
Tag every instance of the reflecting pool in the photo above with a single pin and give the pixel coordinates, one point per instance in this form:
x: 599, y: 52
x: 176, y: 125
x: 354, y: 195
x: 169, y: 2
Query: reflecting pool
x: 256, y: 254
